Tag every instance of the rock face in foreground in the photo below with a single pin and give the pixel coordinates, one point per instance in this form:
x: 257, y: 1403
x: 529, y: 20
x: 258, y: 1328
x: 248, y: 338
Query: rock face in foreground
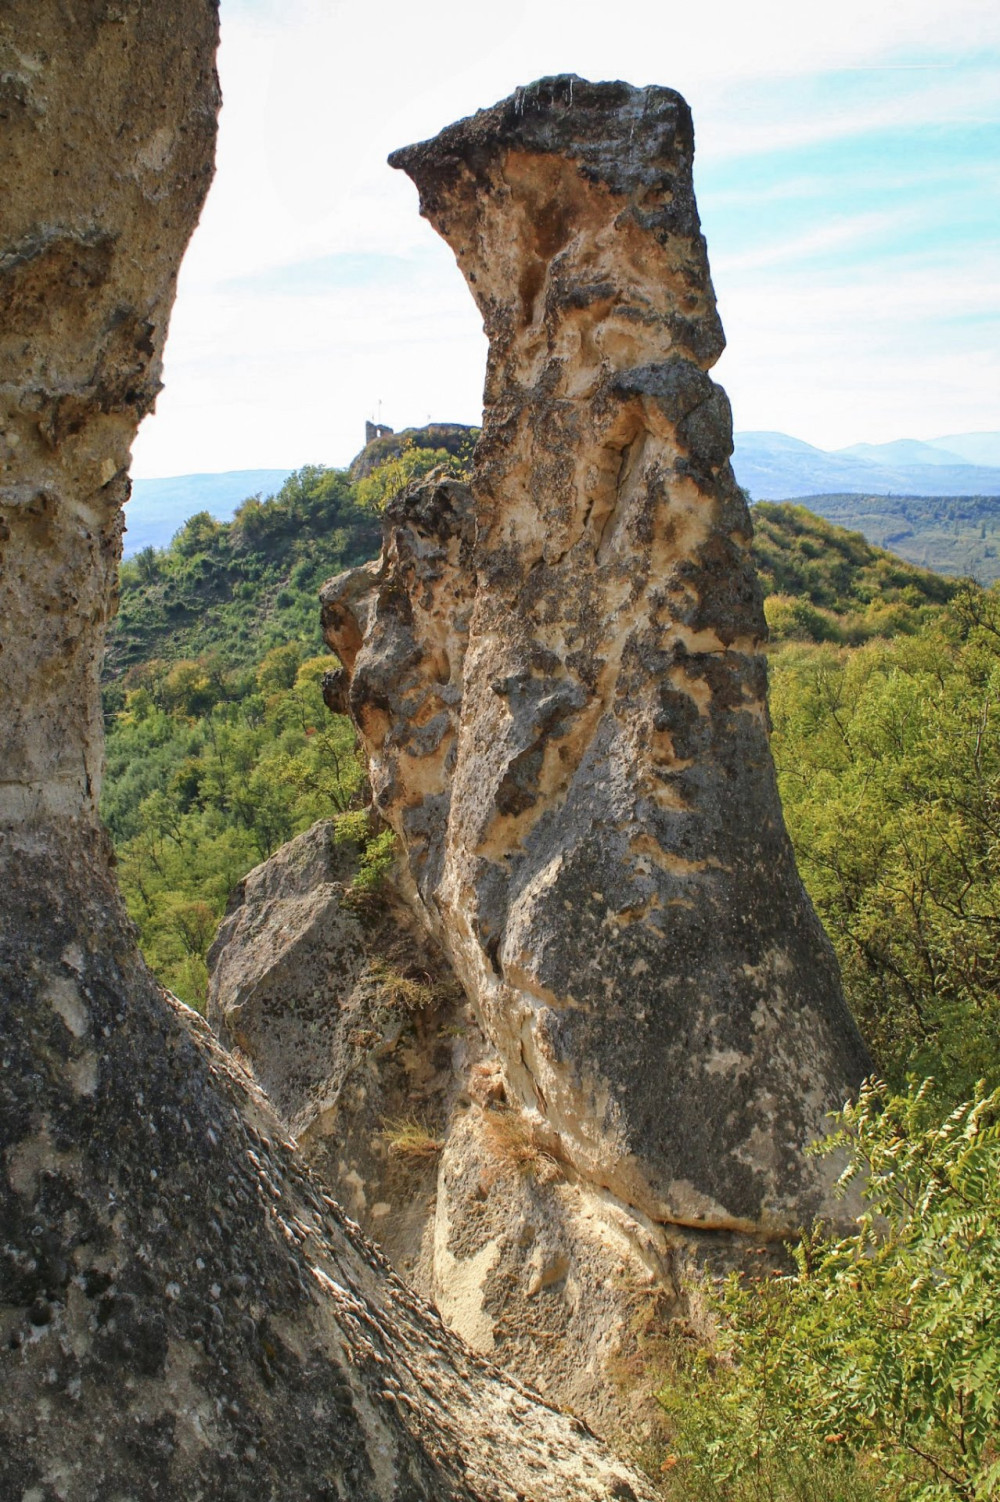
x: 558, y: 678
x: 350, y: 1019
x: 184, y: 1313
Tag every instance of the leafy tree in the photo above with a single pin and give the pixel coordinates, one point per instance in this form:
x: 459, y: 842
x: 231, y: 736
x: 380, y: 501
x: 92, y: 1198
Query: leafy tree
x: 197, y: 792
x: 197, y: 535
x: 880, y: 1353
x: 889, y: 769
x: 147, y: 565
x: 376, y: 490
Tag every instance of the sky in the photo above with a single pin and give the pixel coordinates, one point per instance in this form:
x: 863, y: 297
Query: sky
x: 847, y: 170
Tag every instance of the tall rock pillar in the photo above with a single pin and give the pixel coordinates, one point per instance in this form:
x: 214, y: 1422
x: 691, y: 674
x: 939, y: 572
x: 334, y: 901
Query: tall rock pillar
x: 560, y: 684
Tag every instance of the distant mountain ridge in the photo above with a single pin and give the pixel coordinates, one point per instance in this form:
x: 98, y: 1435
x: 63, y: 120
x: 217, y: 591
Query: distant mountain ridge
x: 159, y: 508
x: 777, y: 467
x: 772, y: 466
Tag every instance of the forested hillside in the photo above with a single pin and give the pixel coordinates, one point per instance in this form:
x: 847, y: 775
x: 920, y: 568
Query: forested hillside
x: 823, y: 583
x: 955, y: 534
x: 219, y: 745
x: 239, y: 588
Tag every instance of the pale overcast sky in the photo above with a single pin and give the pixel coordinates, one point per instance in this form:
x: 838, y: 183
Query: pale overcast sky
x: 847, y: 171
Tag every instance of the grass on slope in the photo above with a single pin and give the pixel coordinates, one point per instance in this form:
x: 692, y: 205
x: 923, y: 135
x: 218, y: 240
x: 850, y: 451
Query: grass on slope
x: 958, y: 535
x: 822, y: 583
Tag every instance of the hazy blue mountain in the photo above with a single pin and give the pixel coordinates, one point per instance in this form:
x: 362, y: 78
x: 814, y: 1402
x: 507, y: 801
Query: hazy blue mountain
x: 772, y: 467
x: 974, y: 448
x: 904, y: 451
x: 776, y: 467
x: 158, y: 508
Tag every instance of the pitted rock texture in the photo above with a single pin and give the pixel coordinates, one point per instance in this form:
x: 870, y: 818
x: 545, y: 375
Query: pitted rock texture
x: 352, y: 1021
x: 184, y: 1313
x: 558, y: 677
x: 108, y: 114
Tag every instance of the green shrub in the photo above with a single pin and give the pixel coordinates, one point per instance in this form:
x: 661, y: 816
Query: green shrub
x: 391, y: 478
x: 888, y: 762
x: 880, y: 1354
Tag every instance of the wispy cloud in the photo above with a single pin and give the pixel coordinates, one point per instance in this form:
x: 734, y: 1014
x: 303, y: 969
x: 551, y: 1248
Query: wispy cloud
x: 851, y: 231
x: 846, y: 172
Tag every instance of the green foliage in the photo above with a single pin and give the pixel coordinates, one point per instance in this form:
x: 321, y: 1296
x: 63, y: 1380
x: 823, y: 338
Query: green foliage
x: 880, y: 1354
x: 958, y: 535
x: 208, y: 772
x: 889, y: 768
x: 872, y: 1370
x: 390, y: 479
x: 825, y: 584
x: 238, y: 589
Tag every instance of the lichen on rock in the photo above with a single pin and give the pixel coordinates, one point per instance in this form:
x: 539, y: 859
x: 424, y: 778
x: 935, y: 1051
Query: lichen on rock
x: 559, y: 680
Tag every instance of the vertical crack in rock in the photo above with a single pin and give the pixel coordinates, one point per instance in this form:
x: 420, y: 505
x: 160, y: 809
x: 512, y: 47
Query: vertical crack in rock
x: 184, y: 1312
x: 559, y: 681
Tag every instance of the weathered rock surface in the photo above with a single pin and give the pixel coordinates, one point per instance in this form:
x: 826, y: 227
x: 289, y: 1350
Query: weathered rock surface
x: 184, y: 1314
x: 349, y: 1018
x: 354, y: 1024
x: 558, y: 678
x: 184, y: 1311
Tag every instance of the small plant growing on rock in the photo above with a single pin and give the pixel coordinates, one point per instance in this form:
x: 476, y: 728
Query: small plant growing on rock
x: 410, y: 1139
x: 511, y: 1140
x: 377, y: 850
x: 405, y: 991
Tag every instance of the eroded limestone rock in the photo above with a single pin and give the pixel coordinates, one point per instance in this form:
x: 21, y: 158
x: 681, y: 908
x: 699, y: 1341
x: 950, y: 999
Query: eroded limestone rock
x: 559, y: 680
x: 184, y: 1313
x: 353, y: 1023
x: 349, y: 1018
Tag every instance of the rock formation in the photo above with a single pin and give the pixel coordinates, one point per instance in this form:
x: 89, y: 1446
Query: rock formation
x: 353, y: 1023
x: 184, y: 1313
x: 349, y: 1018
x: 558, y: 677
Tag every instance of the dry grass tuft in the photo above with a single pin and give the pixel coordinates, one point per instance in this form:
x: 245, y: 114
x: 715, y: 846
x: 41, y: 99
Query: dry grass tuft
x: 512, y: 1142
x: 408, y: 1138
x: 406, y: 991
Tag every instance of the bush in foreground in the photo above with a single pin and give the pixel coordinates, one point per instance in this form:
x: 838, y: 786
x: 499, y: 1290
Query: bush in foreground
x: 873, y: 1368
